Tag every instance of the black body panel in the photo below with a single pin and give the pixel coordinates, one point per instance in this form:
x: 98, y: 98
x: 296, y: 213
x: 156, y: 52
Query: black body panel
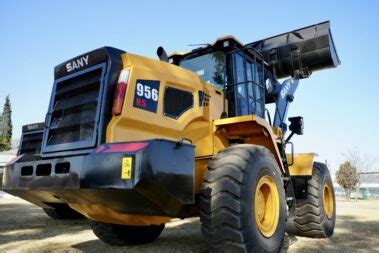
x: 33, y: 127
x: 303, y: 51
x: 74, y: 110
x: 81, y: 102
x: 94, y: 57
x: 31, y: 139
x: 162, y: 181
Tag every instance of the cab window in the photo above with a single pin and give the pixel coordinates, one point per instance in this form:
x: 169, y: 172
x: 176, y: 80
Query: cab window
x: 241, y: 92
x: 211, y: 67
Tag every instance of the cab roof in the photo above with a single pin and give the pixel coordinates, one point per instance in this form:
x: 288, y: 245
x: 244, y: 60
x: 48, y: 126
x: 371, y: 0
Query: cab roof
x: 218, y: 41
x: 225, y: 43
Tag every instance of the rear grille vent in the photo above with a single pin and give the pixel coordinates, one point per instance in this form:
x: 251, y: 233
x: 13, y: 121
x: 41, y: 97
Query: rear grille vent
x: 177, y: 102
x: 74, y: 110
x: 43, y: 169
x: 31, y: 143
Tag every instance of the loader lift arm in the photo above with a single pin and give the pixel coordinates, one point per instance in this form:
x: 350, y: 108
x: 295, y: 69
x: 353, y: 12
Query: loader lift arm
x: 284, y: 95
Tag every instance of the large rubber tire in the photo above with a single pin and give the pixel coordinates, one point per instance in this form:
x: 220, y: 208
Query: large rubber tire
x: 114, y: 234
x: 62, y: 212
x: 311, y: 219
x: 227, y: 201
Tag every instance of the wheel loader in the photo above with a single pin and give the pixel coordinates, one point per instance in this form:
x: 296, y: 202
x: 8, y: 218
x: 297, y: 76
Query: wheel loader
x: 132, y: 142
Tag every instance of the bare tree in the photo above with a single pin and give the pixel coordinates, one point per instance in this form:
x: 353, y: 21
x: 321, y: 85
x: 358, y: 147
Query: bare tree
x: 362, y: 162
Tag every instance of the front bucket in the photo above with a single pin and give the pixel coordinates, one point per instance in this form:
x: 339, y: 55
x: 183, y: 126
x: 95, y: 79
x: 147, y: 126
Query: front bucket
x: 303, y: 51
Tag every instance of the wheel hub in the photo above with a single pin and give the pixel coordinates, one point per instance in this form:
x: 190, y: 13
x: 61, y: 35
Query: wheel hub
x: 327, y: 198
x: 261, y: 207
x: 266, y: 206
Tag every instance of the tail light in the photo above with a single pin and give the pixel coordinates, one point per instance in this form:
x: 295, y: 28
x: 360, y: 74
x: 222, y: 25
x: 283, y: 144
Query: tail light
x: 120, y: 92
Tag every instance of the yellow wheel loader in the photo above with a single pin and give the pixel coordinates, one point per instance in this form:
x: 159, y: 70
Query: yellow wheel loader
x: 132, y: 142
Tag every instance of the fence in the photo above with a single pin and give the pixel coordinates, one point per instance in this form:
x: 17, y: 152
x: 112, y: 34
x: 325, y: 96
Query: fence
x: 364, y: 192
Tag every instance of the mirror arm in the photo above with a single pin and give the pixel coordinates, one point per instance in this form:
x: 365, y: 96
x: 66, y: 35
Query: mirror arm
x: 289, y: 137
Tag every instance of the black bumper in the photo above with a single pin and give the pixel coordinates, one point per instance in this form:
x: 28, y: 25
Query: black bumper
x: 159, y: 181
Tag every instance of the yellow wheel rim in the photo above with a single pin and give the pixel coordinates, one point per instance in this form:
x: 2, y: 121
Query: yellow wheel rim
x: 266, y: 206
x: 327, y: 198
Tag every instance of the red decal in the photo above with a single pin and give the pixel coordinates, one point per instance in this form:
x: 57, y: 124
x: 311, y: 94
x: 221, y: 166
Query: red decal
x: 101, y: 149
x: 143, y: 102
x: 122, y: 147
x: 15, y: 159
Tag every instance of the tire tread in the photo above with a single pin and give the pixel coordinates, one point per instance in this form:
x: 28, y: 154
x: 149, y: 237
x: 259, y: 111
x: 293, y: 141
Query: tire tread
x: 221, y: 202
x: 308, y: 219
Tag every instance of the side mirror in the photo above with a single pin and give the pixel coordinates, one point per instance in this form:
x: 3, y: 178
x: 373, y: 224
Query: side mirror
x: 297, y: 125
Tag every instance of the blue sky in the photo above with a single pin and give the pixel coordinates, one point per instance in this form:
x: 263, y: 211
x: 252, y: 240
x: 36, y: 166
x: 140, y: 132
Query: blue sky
x: 339, y: 106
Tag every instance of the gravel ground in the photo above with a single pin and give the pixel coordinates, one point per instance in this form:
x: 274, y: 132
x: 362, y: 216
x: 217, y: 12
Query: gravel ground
x: 25, y: 228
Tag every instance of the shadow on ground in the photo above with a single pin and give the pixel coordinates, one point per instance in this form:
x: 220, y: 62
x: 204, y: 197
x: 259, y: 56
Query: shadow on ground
x: 180, y: 238
x: 19, y: 222
x: 24, y: 227
x: 351, y: 234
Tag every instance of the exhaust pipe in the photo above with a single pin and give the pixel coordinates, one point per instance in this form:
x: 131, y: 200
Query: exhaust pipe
x: 162, y: 54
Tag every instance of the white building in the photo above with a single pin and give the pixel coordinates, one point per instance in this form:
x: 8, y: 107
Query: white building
x: 7, y: 156
x: 370, y: 181
x: 368, y: 187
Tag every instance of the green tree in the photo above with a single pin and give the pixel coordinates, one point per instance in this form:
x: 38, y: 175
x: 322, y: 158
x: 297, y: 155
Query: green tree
x: 2, y: 145
x: 6, y: 119
x: 347, y: 177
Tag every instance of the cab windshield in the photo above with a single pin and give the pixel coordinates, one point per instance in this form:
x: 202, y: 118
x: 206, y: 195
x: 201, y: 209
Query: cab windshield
x: 211, y: 67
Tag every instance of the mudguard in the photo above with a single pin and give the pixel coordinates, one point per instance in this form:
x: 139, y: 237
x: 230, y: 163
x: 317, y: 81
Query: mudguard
x: 302, y: 164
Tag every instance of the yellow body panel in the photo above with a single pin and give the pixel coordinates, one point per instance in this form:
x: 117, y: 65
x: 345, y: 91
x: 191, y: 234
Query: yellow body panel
x: 200, y: 124
x: 302, y: 164
x: 104, y: 214
x: 135, y: 124
x: 251, y: 129
x: 277, y: 131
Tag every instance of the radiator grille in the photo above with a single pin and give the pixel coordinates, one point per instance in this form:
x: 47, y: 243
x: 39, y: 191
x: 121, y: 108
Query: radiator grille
x: 31, y: 143
x: 74, y: 110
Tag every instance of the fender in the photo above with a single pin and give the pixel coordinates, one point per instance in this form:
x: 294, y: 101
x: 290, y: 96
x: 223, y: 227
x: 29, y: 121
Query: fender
x: 249, y: 129
x: 302, y: 165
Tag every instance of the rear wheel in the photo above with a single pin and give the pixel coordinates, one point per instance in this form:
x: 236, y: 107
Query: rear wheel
x: 62, y: 212
x: 115, y: 234
x: 316, y: 214
x: 242, y: 201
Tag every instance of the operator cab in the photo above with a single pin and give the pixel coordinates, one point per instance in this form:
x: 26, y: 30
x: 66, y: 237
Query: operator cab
x: 228, y: 65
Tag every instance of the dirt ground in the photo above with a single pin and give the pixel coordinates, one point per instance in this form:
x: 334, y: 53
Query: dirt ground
x: 25, y: 228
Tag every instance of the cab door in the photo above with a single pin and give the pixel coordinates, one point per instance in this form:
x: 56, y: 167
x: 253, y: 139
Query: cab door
x: 247, y: 85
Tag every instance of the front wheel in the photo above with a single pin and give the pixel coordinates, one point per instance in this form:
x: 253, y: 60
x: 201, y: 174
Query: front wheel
x: 316, y: 213
x: 115, y: 234
x: 242, y: 203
